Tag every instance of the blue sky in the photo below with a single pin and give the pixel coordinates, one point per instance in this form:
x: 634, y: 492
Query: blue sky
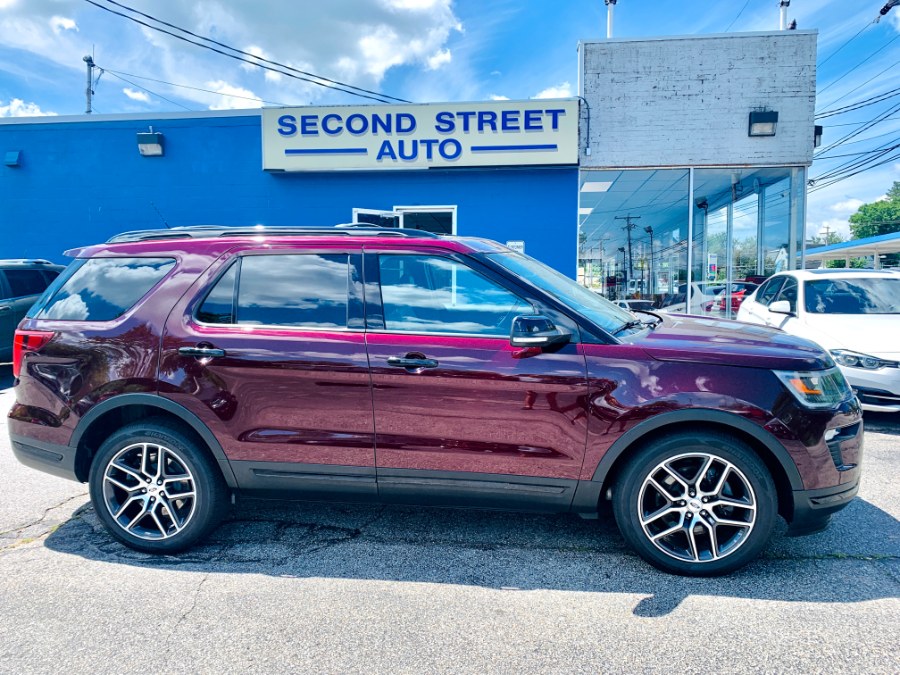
x: 424, y: 50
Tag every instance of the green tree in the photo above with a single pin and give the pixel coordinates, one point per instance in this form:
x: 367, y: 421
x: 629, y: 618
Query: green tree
x: 882, y: 217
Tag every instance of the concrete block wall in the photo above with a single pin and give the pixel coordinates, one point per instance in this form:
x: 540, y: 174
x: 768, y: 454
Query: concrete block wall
x: 686, y: 101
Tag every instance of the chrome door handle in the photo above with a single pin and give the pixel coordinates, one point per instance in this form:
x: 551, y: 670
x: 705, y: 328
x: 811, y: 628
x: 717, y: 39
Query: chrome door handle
x: 202, y: 352
x: 398, y: 362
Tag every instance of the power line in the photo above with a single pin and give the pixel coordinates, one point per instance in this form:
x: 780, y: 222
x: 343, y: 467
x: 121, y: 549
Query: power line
x: 860, y: 86
x: 872, y: 100
x: 868, y: 168
x: 861, y: 140
x: 260, y: 58
x: 851, y: 164
x: 381, y: 98
x: 853, y: 124
x: 863, y: 127
x: 869, y: 57
x: 135, y: 84
x: 187, y: 86
x: 845, y: 44
x: 861, y: 152
x: 738, y: 16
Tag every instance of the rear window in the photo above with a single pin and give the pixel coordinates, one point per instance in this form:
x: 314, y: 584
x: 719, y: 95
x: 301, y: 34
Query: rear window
x: 25, y: 282
x: 853, y: 296
x: 100, y: 289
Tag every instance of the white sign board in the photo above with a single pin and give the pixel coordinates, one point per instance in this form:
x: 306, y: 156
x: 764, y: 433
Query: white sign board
x: 516, y: 245
x: 421, y: 136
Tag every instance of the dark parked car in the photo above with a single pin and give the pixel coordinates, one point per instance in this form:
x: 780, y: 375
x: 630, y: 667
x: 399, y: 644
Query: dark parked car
x: 21, y: 283
x: 170, y: 369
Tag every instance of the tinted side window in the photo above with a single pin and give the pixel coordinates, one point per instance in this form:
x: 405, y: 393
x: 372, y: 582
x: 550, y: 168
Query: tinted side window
x: 307, y: 290
x: 789, y: 292
x: 103, y: 288
x: 768, y: 291
x: 25, y: 282
x: 430, y: 294
x: 218, y: 307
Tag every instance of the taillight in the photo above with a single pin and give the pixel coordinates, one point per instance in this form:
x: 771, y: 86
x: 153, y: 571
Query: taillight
x: 27, y: 341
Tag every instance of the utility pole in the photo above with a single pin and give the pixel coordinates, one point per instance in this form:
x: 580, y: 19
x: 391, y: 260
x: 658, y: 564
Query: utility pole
x: 784, y: 9
x: 628, y: 227
x: 610, y: 6
x: 649, y: 230
x: 827, y: 230
x: 624, y: 274
x: 89, y: 60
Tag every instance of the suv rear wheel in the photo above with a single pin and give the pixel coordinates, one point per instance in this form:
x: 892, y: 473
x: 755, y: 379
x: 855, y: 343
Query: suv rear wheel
x: 697, y: 504
x: 155, y: 490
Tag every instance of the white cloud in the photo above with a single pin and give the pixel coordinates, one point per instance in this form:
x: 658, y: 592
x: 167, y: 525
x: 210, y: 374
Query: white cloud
x: 839, y: 225
x: 848, y: 206
x: 356, y: 41
x: 61, y: 23
x: 497, y: 97
x: 439, y: 58
x: 563, y: 90
x: 18, y: 108
x: 136, y: 95
x: 234, y: 97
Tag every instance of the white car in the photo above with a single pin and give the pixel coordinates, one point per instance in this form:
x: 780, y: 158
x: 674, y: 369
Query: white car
x: 701, y: 293
x: 854, y: 314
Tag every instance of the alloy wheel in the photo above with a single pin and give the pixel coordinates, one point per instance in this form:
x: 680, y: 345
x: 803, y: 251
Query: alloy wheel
x: 149, y: 491
x: 697, y: 507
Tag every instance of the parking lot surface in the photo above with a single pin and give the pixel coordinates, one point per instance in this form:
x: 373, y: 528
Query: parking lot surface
x: 288, y: 587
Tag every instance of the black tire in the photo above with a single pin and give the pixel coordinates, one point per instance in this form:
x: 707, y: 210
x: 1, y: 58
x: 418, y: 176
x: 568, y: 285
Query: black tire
x: 696, y: 529
x: 171, y: 521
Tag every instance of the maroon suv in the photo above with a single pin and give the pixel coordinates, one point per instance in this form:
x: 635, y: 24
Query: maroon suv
x: 170, y: 369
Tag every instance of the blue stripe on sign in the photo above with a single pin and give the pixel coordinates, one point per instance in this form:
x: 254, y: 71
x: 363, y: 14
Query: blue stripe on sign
x: 502, y: 148
x: 326, y: 151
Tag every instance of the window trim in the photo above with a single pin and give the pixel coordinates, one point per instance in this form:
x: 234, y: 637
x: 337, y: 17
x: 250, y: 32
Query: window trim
x: 355, y: 299
x: 435, y: 253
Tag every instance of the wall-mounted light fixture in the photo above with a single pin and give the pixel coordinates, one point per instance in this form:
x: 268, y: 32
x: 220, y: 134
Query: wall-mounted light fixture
x: 762, y: 123
x: 11, y: 158
x: 817, y: 135
x: 150, y: 143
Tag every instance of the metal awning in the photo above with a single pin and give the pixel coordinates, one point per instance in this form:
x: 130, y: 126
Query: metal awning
x: 857, y: 248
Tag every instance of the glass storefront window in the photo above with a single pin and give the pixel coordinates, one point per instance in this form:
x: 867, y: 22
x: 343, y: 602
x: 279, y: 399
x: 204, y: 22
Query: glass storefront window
x: 633, y: 234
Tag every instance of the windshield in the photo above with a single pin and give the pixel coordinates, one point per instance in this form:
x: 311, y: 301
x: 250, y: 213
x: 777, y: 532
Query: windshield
x: 595, y: 307
x: 853, y: 296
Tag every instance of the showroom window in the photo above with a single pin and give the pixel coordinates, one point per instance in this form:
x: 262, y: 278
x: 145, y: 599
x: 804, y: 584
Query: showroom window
x: 689, y: 240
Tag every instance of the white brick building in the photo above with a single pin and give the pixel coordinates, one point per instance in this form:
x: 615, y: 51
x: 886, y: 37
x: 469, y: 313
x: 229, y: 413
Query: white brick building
x: 666, y: 139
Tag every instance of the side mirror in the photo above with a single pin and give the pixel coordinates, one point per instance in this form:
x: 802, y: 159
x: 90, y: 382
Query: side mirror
x: 781, y: 307
x: 536, y: 331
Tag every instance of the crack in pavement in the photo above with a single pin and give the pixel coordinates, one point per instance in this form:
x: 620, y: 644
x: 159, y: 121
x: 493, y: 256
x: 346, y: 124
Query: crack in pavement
x: 34, y: 523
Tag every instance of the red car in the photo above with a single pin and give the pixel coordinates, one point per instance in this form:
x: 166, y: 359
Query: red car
x: 170, y: 369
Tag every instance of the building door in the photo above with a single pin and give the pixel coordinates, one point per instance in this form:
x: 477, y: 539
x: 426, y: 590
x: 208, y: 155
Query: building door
x: 459, y: 413
x: 436, y: 219
x: 378, y: 218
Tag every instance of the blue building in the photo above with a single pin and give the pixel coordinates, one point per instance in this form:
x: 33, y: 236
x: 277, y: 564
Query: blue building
x: 505, y: 170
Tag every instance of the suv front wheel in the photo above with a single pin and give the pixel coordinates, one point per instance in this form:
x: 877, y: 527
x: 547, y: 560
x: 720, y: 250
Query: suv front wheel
x: 697, y: 504
x: 155, y: 490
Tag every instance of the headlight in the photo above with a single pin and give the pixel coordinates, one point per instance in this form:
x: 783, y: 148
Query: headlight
x: 817, y: 388
x: 856, y: 360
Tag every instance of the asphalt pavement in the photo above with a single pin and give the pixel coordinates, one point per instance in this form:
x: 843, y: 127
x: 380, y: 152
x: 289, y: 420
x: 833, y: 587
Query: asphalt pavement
x: 293, y: 587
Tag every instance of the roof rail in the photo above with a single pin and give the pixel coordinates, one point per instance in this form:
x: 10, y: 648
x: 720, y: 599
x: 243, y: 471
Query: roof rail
x: 213, y: 231
x: 25, y: 261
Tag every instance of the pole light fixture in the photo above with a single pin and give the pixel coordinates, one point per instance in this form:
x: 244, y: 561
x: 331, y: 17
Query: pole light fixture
x: 762, y: 123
